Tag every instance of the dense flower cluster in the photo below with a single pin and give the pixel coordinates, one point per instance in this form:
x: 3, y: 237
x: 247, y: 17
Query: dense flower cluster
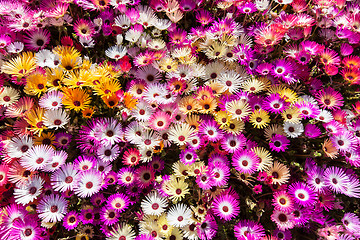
x: 179, y: 119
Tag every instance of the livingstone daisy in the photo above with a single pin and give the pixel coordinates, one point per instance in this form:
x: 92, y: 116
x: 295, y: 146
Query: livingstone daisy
x: 52, y: 208
x: 89, y: 183
x: 302, y: 194
x: 154, y: 204
x: 226, y: 206
x: 179, y: 215
x: 245, y: 161
x: 37, y: 157
x: 283, y: 201
x: 76, y: 99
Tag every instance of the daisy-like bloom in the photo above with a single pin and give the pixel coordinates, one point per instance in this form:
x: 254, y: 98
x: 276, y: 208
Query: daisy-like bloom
x: 37, y: 157
x: 28, y: 192
x: 111, y: 131
x: 351, y: 222
x: 145, y: 176
x: 307, y: 109
x: 159, y: 121
x: 18, y: 146
x: 75, y: 98
x: 245, y: 161
x: 283, y: 220
x: 131, y: 157
x: 52, y: 208
x: 279, y: 172
x: 109, y: 216
x: 207, y: 228
x: 84, y: 28
x: 176, y: 189
x: 247, y: 229
x: 221, y: 173
x: 316, y: 179
x: 279, y: 143
x: 283, y: 201
x: 230, y: 81
x: 116, y: 52
x: 65, y: 178
x: 71, y: 220
x: 329, y: 149
x: 119, y: 202
x: 84, y: 163
x: 21, y: 65
x: 312, y: 131
x: 37, y: 39
x: 55, y: 118
x: 19, y: 108
x: 239, y: 109
x: 336, y: 179
x: 265, y: 158
x: 274, y: 103
x: 259, y: 118
x: 232, y: 143
x: 188, y: 156
x: 344, y: 141
x: 181, y: 133
x: 329, y: 99
x: 226, y: 206
x: 293, y: 130
x: 122, y: 231
x: 8, y: 96
x: 302, y: 194
x: 154, y: 204
x: 27, y: 228
x: 179, y: 215
x: 209, y: 129
x: 51, y: 100
x: 89, y: 183
x: 205, y: 179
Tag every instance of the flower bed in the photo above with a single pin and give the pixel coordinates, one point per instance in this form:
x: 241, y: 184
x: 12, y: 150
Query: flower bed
x: 179, y: 119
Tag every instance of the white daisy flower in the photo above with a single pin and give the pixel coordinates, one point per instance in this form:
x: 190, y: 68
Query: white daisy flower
x: 45, y: 58
x: 116, y: 52
x: 55, y: 118
x: 18, y: 146
x: 51, y: 100
x: 122, y: 21
x: 122, y: 231
x: 8, y: 96
x: 89, y: 183
x: 52, y: 208
x: 64, y: 178
x: 293, y: 130
x: 37, y: 157
x: 153, y: 204
x: 28, y: 192
x: 108, y: 152
x: 15, y: 47
x: 57, y: 161
x: 142, y: 112
x: 179, y: 215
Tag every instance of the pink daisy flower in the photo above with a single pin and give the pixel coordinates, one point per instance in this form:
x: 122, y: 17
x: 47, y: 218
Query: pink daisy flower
x: 245, y: 161
x: 302, y: 194
x: 226, y: 206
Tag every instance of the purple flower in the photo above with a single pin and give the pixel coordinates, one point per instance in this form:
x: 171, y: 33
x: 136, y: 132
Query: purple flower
x: 302, y: 194
x: 279, y: 143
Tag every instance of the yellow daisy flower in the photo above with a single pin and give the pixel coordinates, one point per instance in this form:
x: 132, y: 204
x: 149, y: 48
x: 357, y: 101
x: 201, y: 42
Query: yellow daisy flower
x: 76, y: 99
x: 36, y: 84
x: 35, y: 120
x: 21, y: 65
x: 259, y: 118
